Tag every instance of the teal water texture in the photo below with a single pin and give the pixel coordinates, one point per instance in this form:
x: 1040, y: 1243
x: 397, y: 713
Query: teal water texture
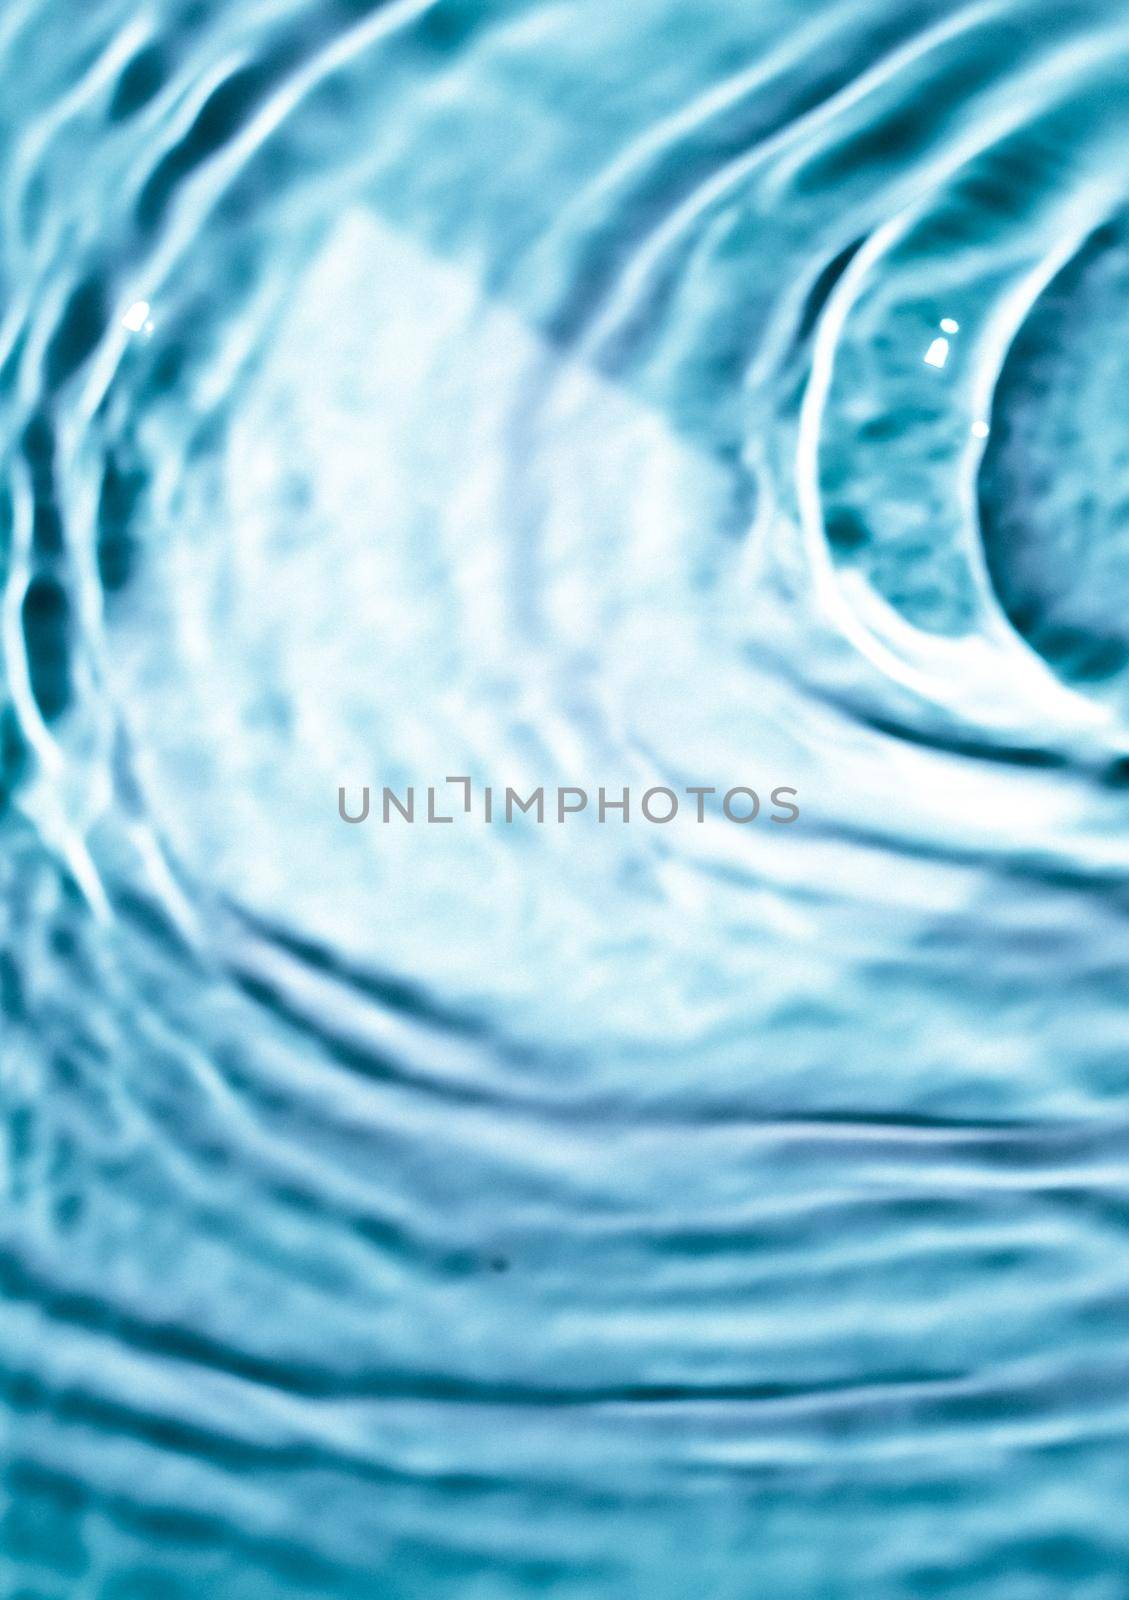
x: 674, y: 391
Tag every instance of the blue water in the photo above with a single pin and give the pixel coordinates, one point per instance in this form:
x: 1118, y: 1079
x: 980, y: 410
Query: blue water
x: 664, y: 391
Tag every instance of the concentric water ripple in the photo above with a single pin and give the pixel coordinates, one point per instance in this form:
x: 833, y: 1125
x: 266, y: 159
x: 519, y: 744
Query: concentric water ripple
x: 675, y: 393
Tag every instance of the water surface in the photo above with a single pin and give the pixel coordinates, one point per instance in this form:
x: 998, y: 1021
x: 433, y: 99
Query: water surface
x: 673, y: 392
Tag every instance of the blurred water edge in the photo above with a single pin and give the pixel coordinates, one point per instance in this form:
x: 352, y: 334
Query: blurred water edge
x: 571, y: 394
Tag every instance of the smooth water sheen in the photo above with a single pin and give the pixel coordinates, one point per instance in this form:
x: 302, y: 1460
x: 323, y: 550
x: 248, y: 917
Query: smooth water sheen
x: 565, y: 392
